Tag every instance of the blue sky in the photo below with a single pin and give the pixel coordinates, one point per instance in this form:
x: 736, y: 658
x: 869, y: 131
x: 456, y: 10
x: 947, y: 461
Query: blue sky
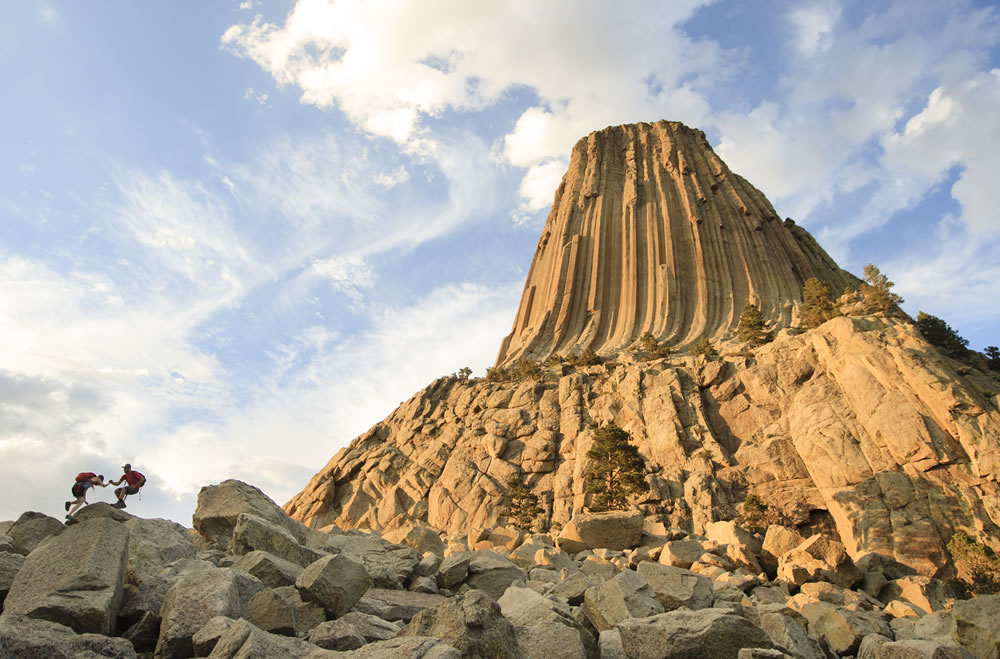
x: 235, y: 235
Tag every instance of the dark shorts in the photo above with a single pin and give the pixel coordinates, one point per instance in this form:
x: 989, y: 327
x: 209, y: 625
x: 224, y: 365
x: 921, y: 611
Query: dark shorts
x: 79, y: 488
x: 131, y: 490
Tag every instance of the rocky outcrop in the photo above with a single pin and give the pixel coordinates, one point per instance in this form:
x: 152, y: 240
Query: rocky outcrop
x: 858, y: 428
x: 651, y: 232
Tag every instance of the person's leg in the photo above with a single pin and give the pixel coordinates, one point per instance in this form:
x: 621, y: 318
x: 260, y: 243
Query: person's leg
x: 76, y: 505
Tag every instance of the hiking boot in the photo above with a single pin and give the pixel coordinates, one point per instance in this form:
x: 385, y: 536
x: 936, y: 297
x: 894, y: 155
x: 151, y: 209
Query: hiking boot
x: 118, y: 504
x: 67, y: 504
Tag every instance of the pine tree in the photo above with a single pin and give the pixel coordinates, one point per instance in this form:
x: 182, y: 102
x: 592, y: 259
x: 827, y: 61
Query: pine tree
x: 817, y: 303
x: 752, y: 329
x: 877, y: 291
x: 653, y: 348
x: 520, y: 504
x: 939, y: 333
x: 616, y: 470
x: 993, y: 357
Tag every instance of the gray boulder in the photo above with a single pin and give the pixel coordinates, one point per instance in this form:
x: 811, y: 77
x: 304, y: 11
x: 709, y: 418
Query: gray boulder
x: 572, y: 588
x: 75, y: 578
x: 308, y: 613
x: 875, y: 646
x: 676, y: 587
x: 336, y: 635
x: 394, y: 605
x: 976, y: 627
x: 147, y: 599
x: 273, y: 572
x: 204, y: 639
x: 31, y: 528
x: 196, y: 598
x: 7, y: 544
x: 528, y: 610
x: 253, y: 533
x: 454, y: 569
x: 610, y: 644
x: 791, y: 635
x: 219, y: 507
x: 372, y: 628
x: 154, y: 544
x: 244, y: 640
x: 388, y: 565
x: 22, y: 637
x: 411, y: 647
x: 335, y: 582
x: 472, y: 623
x: 681, y: 634
x: 272, y: 613
x: 492, y: 573
x: 9, y: 565
x: 626, y: 596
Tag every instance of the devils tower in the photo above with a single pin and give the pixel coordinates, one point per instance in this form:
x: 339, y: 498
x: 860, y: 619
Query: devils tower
x: 651, y: 232
x: 858, y: 429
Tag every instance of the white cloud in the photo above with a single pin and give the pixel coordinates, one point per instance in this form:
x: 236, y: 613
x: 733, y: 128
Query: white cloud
x: 394, y: 70
x: 539, y: 185
x: 813, y: 25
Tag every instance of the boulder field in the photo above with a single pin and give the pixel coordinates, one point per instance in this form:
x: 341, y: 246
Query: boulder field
x: 249, y: 581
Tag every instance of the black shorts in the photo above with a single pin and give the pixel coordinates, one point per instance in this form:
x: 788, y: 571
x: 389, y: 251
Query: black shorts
x: 79, y: 488
x: 131, y: 490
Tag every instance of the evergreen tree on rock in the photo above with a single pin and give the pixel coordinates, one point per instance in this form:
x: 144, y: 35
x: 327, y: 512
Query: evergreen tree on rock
x: 752, y: 329
x: 616, y: 470
x: 520, y: 504
x: 817, y: 303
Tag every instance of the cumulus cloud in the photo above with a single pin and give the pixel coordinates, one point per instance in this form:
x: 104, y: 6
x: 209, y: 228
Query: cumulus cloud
x: 394, y: 70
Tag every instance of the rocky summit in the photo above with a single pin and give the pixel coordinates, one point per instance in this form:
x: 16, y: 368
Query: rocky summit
x: 832, y: 492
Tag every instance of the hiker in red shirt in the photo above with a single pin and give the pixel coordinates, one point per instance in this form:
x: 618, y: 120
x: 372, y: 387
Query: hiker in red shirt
x: 133, y: 479
x: 84, y: 481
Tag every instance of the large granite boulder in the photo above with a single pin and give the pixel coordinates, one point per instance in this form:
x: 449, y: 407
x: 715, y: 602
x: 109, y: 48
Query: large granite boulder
x: 492, y: 573
x: 616, y: 529
x: 253, y: 533
x: 147, y: 599
x: 196, y: 598
x: 545, y: 627
x: 681, y: 634
x: 792, y: 636
x: 31, y: 528
x: 22, y: 637
x: 388, y: 565
x: 676, y: 587
x: 219, y: 508
x: 243, y: 639
x: 272, y: 571
x: 335, y: 582
x: 272, y: 613
x: 411, y: 647
x: 153, y: 544
x: 396, y: 605
x: 625, y: 596
x: 75, y: 578
x: 841, y: 628
x: 976, y: 627
x: 453, y: 570
x: 471, y: 623
x: 925, y: 592
x: 10, y: 563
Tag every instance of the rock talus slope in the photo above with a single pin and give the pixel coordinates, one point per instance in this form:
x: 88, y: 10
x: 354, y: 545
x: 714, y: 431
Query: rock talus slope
x: 651, y: 231
x: 858, y: 428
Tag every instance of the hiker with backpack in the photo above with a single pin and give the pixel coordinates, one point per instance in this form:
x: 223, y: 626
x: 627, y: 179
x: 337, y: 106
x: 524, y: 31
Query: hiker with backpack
x: 84, y: 481
x: 133, y: 482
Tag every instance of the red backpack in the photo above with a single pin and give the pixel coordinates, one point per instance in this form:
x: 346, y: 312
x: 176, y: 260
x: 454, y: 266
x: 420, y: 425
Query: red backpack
x: 85, y: 476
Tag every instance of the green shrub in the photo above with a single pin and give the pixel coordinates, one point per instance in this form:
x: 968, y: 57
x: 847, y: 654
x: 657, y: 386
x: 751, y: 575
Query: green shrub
x: 755, y: 515
x: 616, y: 470
x: 462, y: 374
x: 939, y: 333
x: 525, y: 368
x: 497, y: 374
x: 586, y: 358
x: 650, y: 347
x: 978, y: 566
x: 703, y: 347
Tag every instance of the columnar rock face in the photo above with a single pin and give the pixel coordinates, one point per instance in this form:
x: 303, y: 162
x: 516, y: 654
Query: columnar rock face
x: 858, y: 429
x: 650, y: 231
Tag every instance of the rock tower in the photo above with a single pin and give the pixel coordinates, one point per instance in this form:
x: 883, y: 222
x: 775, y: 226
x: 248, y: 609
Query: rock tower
x: 651, y: 232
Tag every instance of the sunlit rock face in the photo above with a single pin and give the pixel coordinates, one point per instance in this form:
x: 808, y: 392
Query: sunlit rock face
x: 651, y: 231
